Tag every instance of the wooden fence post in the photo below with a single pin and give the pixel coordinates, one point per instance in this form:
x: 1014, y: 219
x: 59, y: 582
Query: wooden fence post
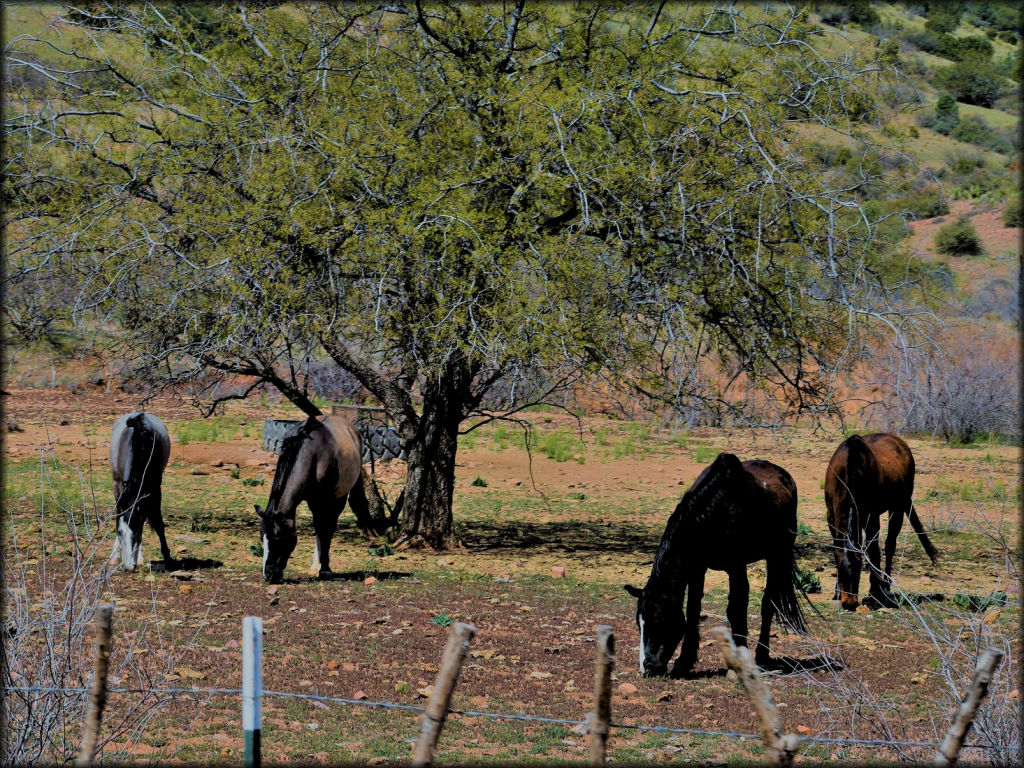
x: 252, y: 687
x: 459, y: 637
x: 601, y: 717
x: 950, y: 749
x: 780, y: 748
x: 98, y: 697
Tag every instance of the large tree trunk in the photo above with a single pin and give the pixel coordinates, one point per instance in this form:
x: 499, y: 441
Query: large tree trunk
x: 426, y: 513
x: 426, y: 505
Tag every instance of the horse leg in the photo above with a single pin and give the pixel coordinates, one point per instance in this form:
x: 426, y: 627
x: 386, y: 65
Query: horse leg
x: 325, y: 523
x: 691, y: 630
x: 736, y: 610
x: 156, y: 522
x: 896, y: 515
x: 878, y: 589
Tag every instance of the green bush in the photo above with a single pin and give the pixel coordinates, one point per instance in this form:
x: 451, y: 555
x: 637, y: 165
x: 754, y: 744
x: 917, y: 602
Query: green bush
x: 479, y: 482
x: 972, y: 82
x: 947, y: 114
x: 958, y: 238
x: 1012, y: 213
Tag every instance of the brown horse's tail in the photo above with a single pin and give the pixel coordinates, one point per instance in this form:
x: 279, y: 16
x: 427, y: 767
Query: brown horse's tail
x: 929, y: 548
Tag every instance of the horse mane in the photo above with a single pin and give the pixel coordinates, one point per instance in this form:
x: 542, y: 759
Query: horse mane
x: 860, y: 466
x: 140, y: 454
x: 709, y: 496
x: 290, y: 446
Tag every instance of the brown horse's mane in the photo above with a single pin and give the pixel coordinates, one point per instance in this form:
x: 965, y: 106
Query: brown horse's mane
x: 290, y: 447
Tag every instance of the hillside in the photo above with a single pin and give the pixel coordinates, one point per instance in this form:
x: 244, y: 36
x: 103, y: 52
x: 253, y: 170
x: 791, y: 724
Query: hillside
x: 953, y: 122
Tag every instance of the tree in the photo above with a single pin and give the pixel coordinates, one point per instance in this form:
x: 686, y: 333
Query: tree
x: 454, y: 203
x: 972, y: 81
x: 947, y: 114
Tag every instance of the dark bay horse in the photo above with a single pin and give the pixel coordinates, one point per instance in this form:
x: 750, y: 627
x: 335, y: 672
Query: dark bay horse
x: 735, y: 513
x: 139, y: 450
x: 320, y: 464
x: 865, y: 477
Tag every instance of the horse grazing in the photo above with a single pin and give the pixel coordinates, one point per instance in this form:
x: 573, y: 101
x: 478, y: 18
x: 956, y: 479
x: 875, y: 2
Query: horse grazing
x: 320, y: 463
x: 866, y: 476
x: 139, y: 450
x: 735, y: 513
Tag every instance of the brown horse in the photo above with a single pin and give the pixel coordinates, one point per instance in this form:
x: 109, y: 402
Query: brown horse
x: 865, y: 477
x: 735, y: 514
x: 319, y: 464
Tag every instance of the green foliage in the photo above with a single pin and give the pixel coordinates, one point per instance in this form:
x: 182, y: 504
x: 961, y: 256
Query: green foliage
x: 947, y: 114
x: 1012, y: 213
x: 253, y: 481
x: 974, y: 130
x: 560, y: 445
x: 479, y: 482
x: 382, y: 550
x: 972, y: 82
x: 441, y: 620
x: 807, y: 580
x: 803, y: 529
x: 958, y: 238
x: 978, y: 603
x: 705, y: 453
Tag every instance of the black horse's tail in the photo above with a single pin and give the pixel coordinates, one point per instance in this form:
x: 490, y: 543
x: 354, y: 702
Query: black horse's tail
x: 368, y: 507
x: 782, y: 584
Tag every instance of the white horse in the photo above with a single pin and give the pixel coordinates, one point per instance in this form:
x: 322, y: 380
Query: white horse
x: 139, y: 450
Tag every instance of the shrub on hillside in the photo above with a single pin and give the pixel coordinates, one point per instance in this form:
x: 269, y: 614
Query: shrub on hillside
x: 1012, y: 214
x: 958, y: 238
x: 947, y: 114
x: 974, y: 130
x: 972, y: 82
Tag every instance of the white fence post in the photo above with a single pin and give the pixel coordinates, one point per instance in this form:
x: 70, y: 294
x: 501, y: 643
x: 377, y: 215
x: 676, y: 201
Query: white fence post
x: 252, y: 687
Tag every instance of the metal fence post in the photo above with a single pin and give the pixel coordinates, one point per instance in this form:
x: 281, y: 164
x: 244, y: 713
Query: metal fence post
x: 252, y: 687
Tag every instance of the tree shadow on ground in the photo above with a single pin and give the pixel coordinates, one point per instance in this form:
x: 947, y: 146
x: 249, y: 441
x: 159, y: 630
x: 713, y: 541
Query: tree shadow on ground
x: 185, y: 564
x: 361, y: 575
x: 571, y: 536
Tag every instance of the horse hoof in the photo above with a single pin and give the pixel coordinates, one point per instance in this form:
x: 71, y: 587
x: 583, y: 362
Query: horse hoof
x: 325, y: 574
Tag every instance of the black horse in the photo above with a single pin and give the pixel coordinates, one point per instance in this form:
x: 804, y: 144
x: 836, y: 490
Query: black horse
x: 735, y: 513
x: 139, y: 450
x: 320, y: 464
x: 865, y: 477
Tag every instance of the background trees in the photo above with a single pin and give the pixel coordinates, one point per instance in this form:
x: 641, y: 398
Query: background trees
x: 443, y: 200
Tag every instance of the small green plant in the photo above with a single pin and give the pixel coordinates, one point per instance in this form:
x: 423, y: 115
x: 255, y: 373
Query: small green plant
x: 382, y: 550
x: 236, y: 473
x: 253, y: 481
x: 559, y: 445
x: 977, y: 603
x: 479, y: 482
x: 578, y: 496
x: 442, y: 620
x: 803, y: 529
x: 256, y: 549
x: 199, y: 521
x: 807, y: 580
x: 704, y: 453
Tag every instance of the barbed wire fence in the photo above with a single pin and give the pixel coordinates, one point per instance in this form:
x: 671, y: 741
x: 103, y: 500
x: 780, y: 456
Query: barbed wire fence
x: 781, y: 748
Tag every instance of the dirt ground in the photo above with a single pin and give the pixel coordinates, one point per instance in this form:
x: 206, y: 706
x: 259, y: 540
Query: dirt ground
x: 373, y: 633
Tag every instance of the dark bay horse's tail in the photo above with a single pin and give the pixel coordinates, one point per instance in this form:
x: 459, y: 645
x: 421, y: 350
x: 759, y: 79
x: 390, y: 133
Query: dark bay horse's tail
x: 915, y: 523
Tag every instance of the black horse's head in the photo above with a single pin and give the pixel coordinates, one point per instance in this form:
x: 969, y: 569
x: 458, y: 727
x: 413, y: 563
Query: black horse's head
x: 661, y: 624
x: 279, y: 540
